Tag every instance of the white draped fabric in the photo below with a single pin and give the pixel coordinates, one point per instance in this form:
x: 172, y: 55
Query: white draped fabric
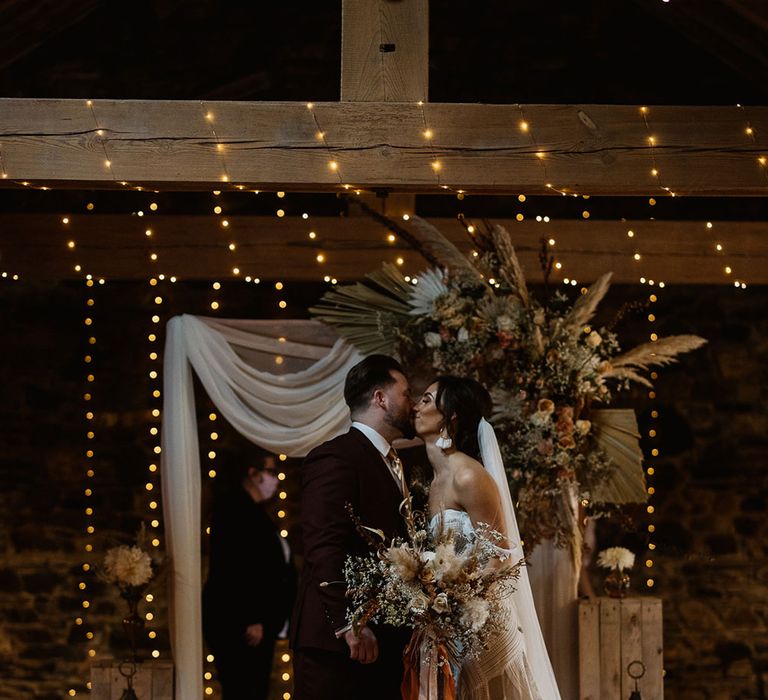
x: 288, y: 413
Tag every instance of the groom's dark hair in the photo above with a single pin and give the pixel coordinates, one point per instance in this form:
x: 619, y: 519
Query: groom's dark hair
x: 371, y: 373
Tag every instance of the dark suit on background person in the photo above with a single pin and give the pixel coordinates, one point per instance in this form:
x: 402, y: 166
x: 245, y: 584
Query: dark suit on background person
x: 251, y: 581
x: 347, y: 469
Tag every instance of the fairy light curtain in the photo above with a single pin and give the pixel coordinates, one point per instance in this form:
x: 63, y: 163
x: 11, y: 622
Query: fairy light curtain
x: 289, y: 412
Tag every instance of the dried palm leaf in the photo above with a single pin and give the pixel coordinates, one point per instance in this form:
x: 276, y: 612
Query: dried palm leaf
x: 586, y: 305
x: 445, y: 252
x: 430, y: 286
x: 657, y: 354
x: 511, y: 270
x: 369, y: 314
x: 617, y: 435
x: 392, y: 280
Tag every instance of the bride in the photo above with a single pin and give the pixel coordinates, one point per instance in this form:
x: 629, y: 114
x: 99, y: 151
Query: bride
x: 450, y: 418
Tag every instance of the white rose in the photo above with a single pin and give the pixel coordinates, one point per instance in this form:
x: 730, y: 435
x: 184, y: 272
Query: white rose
x: 594, y: 339
x: 433, y: 340
x: 505, y: 323
x: 441, y: 604
x: 419, y: 603
x: 463, y: 335
x: 583, y: 427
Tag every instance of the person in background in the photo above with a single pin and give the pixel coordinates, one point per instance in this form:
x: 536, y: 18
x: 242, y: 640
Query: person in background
x: 251, y: 582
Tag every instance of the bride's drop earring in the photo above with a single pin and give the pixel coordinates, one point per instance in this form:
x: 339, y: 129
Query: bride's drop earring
x: 443, y: 442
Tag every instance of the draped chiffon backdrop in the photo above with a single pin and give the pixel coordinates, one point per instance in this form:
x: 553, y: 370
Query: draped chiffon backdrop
x: 288, y: 408
x: 288, y: 412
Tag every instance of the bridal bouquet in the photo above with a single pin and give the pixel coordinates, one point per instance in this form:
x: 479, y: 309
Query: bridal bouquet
x: 449, y: 589
x: 551, y: 371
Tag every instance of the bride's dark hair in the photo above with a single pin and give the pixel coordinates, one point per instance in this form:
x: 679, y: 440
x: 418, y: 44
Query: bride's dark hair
x: 463, y: 402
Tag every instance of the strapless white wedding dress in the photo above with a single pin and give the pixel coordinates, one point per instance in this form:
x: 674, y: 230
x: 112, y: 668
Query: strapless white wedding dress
x: 502, y: 671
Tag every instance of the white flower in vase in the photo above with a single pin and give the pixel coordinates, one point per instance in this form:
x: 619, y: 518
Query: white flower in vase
x: 616, y: 558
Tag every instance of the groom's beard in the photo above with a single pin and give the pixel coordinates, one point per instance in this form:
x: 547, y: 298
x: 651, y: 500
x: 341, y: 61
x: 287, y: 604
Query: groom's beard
x: 403, y: 422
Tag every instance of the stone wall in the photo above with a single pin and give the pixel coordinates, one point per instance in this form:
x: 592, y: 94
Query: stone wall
x: 710, y: 564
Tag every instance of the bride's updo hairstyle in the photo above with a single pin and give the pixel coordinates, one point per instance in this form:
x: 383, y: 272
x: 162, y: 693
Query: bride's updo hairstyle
x: 463, y: 402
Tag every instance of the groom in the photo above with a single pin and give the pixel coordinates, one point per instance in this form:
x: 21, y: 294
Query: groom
x: 331, y: 662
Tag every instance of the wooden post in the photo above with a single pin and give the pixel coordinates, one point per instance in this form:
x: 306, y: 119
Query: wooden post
x: 385, y: 58
x: 384, y: 50
x: 153, y: 680
x: 612, y: 634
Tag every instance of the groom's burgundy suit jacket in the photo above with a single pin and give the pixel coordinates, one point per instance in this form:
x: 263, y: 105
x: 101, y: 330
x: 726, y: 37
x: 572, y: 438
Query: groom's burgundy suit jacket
x: 346, y: 469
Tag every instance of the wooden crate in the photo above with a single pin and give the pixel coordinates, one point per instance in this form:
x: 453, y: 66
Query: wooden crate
x: 153, y: 680
x: 613, y: 633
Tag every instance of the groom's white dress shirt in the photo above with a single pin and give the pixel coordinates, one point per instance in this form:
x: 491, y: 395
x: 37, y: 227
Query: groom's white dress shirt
x: 383, y: 447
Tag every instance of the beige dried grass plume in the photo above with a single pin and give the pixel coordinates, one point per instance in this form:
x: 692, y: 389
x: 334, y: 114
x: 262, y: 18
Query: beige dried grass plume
x: 662, y: 352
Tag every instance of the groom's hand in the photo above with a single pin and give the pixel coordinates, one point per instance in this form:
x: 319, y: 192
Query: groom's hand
x: 363, y: 647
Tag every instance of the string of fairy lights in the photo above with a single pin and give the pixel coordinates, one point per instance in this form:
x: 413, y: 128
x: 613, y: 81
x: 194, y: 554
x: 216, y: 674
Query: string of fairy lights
x: 152, y: 485
x: 211, y: 456
x: 87, y: 567
x: 652, y: 455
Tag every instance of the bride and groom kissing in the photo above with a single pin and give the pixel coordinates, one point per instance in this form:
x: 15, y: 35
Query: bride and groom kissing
x: 361, y: 469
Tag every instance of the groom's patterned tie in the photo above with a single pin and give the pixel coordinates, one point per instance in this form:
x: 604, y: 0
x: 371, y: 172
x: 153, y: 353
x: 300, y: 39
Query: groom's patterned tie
x: 397, y: 469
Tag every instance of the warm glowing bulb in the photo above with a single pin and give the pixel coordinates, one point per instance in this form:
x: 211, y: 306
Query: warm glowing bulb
x: 523, y: 126
x: 320, y: 258
x: 428, y: 133
x: 333, y: 165
x: 436, y: 165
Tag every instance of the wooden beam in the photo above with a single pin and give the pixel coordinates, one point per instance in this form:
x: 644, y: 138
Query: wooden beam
x: 384, y: 50
x: 595, y: 149
x: 196, y: 247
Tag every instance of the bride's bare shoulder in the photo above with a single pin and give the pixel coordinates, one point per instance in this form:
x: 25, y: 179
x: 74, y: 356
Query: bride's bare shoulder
x: 470, y: 475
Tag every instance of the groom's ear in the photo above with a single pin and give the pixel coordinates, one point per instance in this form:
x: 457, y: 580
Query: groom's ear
x: 378, y: 398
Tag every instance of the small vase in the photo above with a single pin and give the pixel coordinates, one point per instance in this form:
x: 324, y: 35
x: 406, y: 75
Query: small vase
x: 616, y: 584
x: 133, y: 624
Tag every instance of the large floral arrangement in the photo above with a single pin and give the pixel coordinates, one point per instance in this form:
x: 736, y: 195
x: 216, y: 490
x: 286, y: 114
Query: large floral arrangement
x: 446, y: 587
x: 551, y: 372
